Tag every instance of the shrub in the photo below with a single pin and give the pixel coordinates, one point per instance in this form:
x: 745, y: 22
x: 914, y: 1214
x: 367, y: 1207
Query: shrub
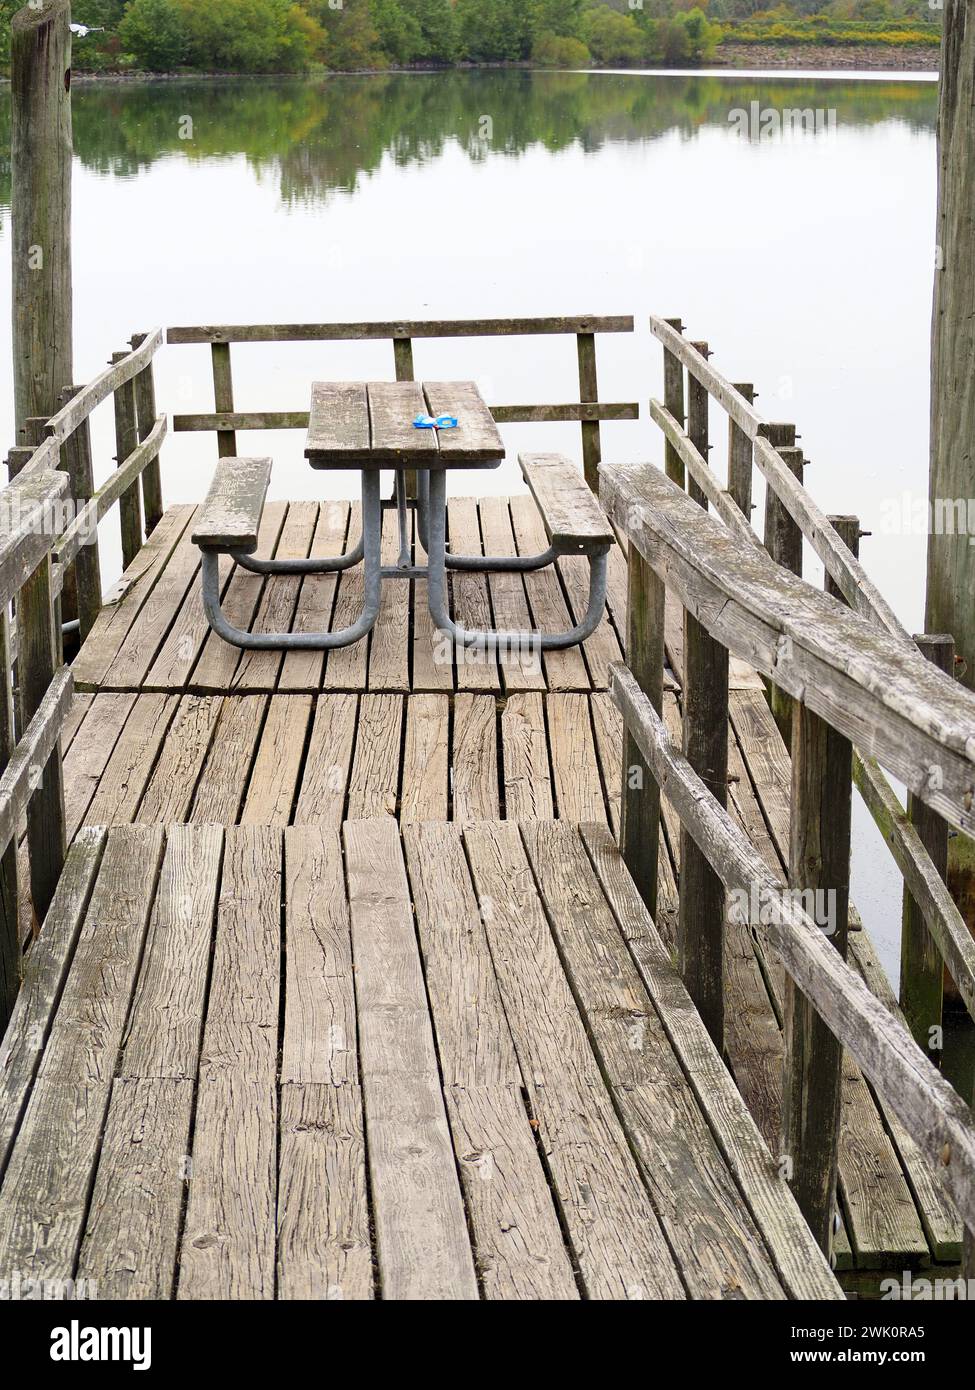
x: 560, y: 51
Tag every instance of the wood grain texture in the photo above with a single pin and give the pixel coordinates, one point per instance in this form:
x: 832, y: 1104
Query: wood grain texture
x: 421, y: 1234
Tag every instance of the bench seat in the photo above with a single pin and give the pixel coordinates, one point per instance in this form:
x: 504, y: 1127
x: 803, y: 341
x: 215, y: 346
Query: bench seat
x: 231, y: 515
x: 574, y: 521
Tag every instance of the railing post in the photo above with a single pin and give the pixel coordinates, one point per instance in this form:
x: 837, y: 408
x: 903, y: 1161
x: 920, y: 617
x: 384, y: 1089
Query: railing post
x: 741, y: 457
x: 697, y: 423
x: 37, y: 660
x: 819, y: 865
x: 126, y: 440
x: 87, y: 567
x: 589, y: 392
x: 640, y: 827
x: 9, y: 878
x: 223, y: 396
x: 704, y: 703
x: 783, y: 541
x: 403, y: 360
x: 145, y: 405
x: 922, y: 967
x: 674, y: 401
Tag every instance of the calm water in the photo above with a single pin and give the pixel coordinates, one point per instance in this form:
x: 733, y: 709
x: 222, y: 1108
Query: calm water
x: 806, y: 259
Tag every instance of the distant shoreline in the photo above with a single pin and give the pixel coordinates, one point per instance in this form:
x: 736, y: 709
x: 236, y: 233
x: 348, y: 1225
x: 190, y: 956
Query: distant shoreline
x: 827, y: 59
x: 878, y: 57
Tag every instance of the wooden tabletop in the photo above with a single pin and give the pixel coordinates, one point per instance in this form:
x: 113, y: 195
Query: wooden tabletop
x: 369, y: 424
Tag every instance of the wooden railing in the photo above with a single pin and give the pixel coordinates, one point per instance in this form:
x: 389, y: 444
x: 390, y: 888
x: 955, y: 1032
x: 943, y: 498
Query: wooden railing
x: 50, y: 578
x: 226, y: 419
x: 843, y: 676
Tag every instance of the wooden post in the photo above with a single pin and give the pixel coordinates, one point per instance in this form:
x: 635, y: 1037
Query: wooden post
x: 41, y: 149
x: 951, y: 559
x: 922, y: 967
x: 783, y: 541
x: 223, y: 396
x: 77, y: 462
x: 37, y: 659
x: 589, y: 393
x: 741, y: 457
x: 674, y: 401
x: 697, y: 423
x: 403, y: 359
x: 704, y: 702
x: 126, y: 442
x: 9, y: 877
x: 640, y: 828
x: 145, y: 405
x: 819, y: 864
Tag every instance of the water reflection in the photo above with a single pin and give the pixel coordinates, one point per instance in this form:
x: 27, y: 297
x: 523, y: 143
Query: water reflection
x: 319, y: 136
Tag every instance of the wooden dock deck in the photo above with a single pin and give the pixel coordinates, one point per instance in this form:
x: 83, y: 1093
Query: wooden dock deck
x: 172, y: 726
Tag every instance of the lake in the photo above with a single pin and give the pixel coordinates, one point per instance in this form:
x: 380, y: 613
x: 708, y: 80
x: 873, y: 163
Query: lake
x: 804, y: 256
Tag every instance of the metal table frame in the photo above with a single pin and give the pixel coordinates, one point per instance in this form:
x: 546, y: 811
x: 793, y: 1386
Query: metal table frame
x: 430, y: 506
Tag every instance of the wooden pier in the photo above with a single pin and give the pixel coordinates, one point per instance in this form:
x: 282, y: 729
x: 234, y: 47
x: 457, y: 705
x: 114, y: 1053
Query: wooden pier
x: 344, y: 988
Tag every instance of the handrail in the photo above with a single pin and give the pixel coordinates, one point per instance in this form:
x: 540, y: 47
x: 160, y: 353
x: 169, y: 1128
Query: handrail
x: 939, y: 914
x: 842, y: 565
x: 398, y: 328
x: 941, y: 1123
x: 881, y: 694
x: 78, y: 409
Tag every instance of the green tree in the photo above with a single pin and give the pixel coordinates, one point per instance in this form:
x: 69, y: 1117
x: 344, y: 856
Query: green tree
x: 351, y: 38
x: 438, y: 27
x: 614, y: 39
x: 400, y: 36
x: 152, y: 31
x: 560, y: 51
x: 496, y: 30
x: 249, y: 35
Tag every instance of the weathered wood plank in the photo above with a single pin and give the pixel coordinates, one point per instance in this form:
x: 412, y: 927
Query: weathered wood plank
x: 123, y: 603
x: 120, y: 788
x: 477, y: 669
x: 277, y: 767
x: 474, y: 758
x: 319, y: 1021
x: 564, y: 670
x: 421, y: 1234
x: 132, y: 1228
x: 45, y: 1193
x: 389, y: 645
x: 575, y: 770
x: 324, y: 1249
x: 230, y: 517
x: 476, y: 439
x: 169, y: 794
x: 521, y: 668
x: 425, y: 759
x: 259, y: 670
x: 574, y: 521
x: 616, y: 1237
x: 316, y: 599
x: 374, y: 783
x: 871, y: 688
x: 527, y: 778
x: 167, y: 1009
x: 345, y: 669
x: 45, y: 969
x: 710, y: 1230
x: 220, y: 792
x: 321, y: 798
x: 801, y: 1265
x: 339, y: 420
x: 397, y: 328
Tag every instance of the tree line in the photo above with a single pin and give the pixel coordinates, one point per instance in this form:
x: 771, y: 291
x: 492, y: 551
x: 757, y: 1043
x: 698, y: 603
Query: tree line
x: 360, y: 35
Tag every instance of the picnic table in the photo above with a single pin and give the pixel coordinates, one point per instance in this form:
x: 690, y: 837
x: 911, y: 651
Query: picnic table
x: 369, y: 427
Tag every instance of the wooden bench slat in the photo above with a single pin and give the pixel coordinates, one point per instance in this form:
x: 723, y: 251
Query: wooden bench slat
x: 231, y: 515
x: 338, y: 422
x: 575, y: 522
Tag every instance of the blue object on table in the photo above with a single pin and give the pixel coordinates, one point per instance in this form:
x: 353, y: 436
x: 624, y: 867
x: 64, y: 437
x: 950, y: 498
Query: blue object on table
x: 441, y: 422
